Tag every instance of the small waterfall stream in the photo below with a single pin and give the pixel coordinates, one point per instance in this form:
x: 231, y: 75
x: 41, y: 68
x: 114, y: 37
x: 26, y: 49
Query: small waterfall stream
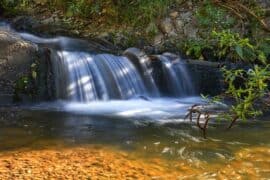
x: 176, y: 80
x: 86, y: 77
x: 83, y: 75
x: 184, y: 78
x: 77, y: 77
x: 124, y: 75
x: 170, y: 75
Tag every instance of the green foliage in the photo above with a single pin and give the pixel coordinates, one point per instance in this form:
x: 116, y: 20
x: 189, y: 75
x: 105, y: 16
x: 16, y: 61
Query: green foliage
x: 152, y: 30
x: 130, y: 12
x: 141, y: 12
x: 263, y: 48
x: 83, y: 8
x: 227, y: 44
x: 248, y: 95
x: 247, y: 90
x: 218, y: 23
x: 194, y: 48
x: 232, y: 45
x: 237, y: 48
x: 12, y: 5
x: 142, y: 15
x: 22, y: 84
x: 8, y: 6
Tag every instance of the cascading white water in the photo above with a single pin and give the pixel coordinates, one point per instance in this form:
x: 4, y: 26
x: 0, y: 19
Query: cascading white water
x: 143, y: 64
x: 184, y: 79
x: 126, y: 77
x: 77, y: 77
x: 177, y: 76
x: 82, y: 76
x: 85, y: 77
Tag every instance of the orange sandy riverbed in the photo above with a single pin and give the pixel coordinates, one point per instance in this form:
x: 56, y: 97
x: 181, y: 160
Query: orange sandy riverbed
x: 97, y: 162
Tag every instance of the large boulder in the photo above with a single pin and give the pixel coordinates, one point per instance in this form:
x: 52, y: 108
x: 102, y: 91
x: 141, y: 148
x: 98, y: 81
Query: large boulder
x: 16, y: 55
x: 17, y: 59
x: 207, y: 76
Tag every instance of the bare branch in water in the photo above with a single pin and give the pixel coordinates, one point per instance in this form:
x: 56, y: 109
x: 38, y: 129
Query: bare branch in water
x: 195, y: 110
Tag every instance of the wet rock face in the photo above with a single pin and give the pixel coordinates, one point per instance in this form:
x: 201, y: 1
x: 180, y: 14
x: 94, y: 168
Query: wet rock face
x: 207, y: 77
x: 15, y: 55
x: 16, y: 58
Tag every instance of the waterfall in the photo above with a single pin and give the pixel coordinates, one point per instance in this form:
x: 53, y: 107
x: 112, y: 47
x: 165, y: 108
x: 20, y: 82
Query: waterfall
x: 77, y: 77
x: 143, y: 64
x: 86, y: 77
x: 175, y: 76
x: 122, y: 73
x: 184, y: 79
x: 83, y: 75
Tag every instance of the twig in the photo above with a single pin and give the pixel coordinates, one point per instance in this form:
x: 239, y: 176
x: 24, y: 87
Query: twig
x: 227, y: 5
x: 191, y: 111
x: 198, y: 121
x: 251, y: 13
x: 229, y: 8
x: 207, y: 118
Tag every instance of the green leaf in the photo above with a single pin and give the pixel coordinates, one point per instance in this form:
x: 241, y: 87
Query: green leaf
x: 239, y: 51
x: 262, y: 57
x: 34, y: 74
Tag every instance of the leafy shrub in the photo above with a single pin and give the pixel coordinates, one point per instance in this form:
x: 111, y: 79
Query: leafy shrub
x: 232, y: 45
x: 229, y: 45
x: 237, y: 48
x: 248, y: 96
x: 194, y: 48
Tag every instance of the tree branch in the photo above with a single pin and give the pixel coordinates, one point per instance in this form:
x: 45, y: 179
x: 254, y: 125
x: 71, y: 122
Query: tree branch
x: 228, y: 5
x: 251, y: 13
